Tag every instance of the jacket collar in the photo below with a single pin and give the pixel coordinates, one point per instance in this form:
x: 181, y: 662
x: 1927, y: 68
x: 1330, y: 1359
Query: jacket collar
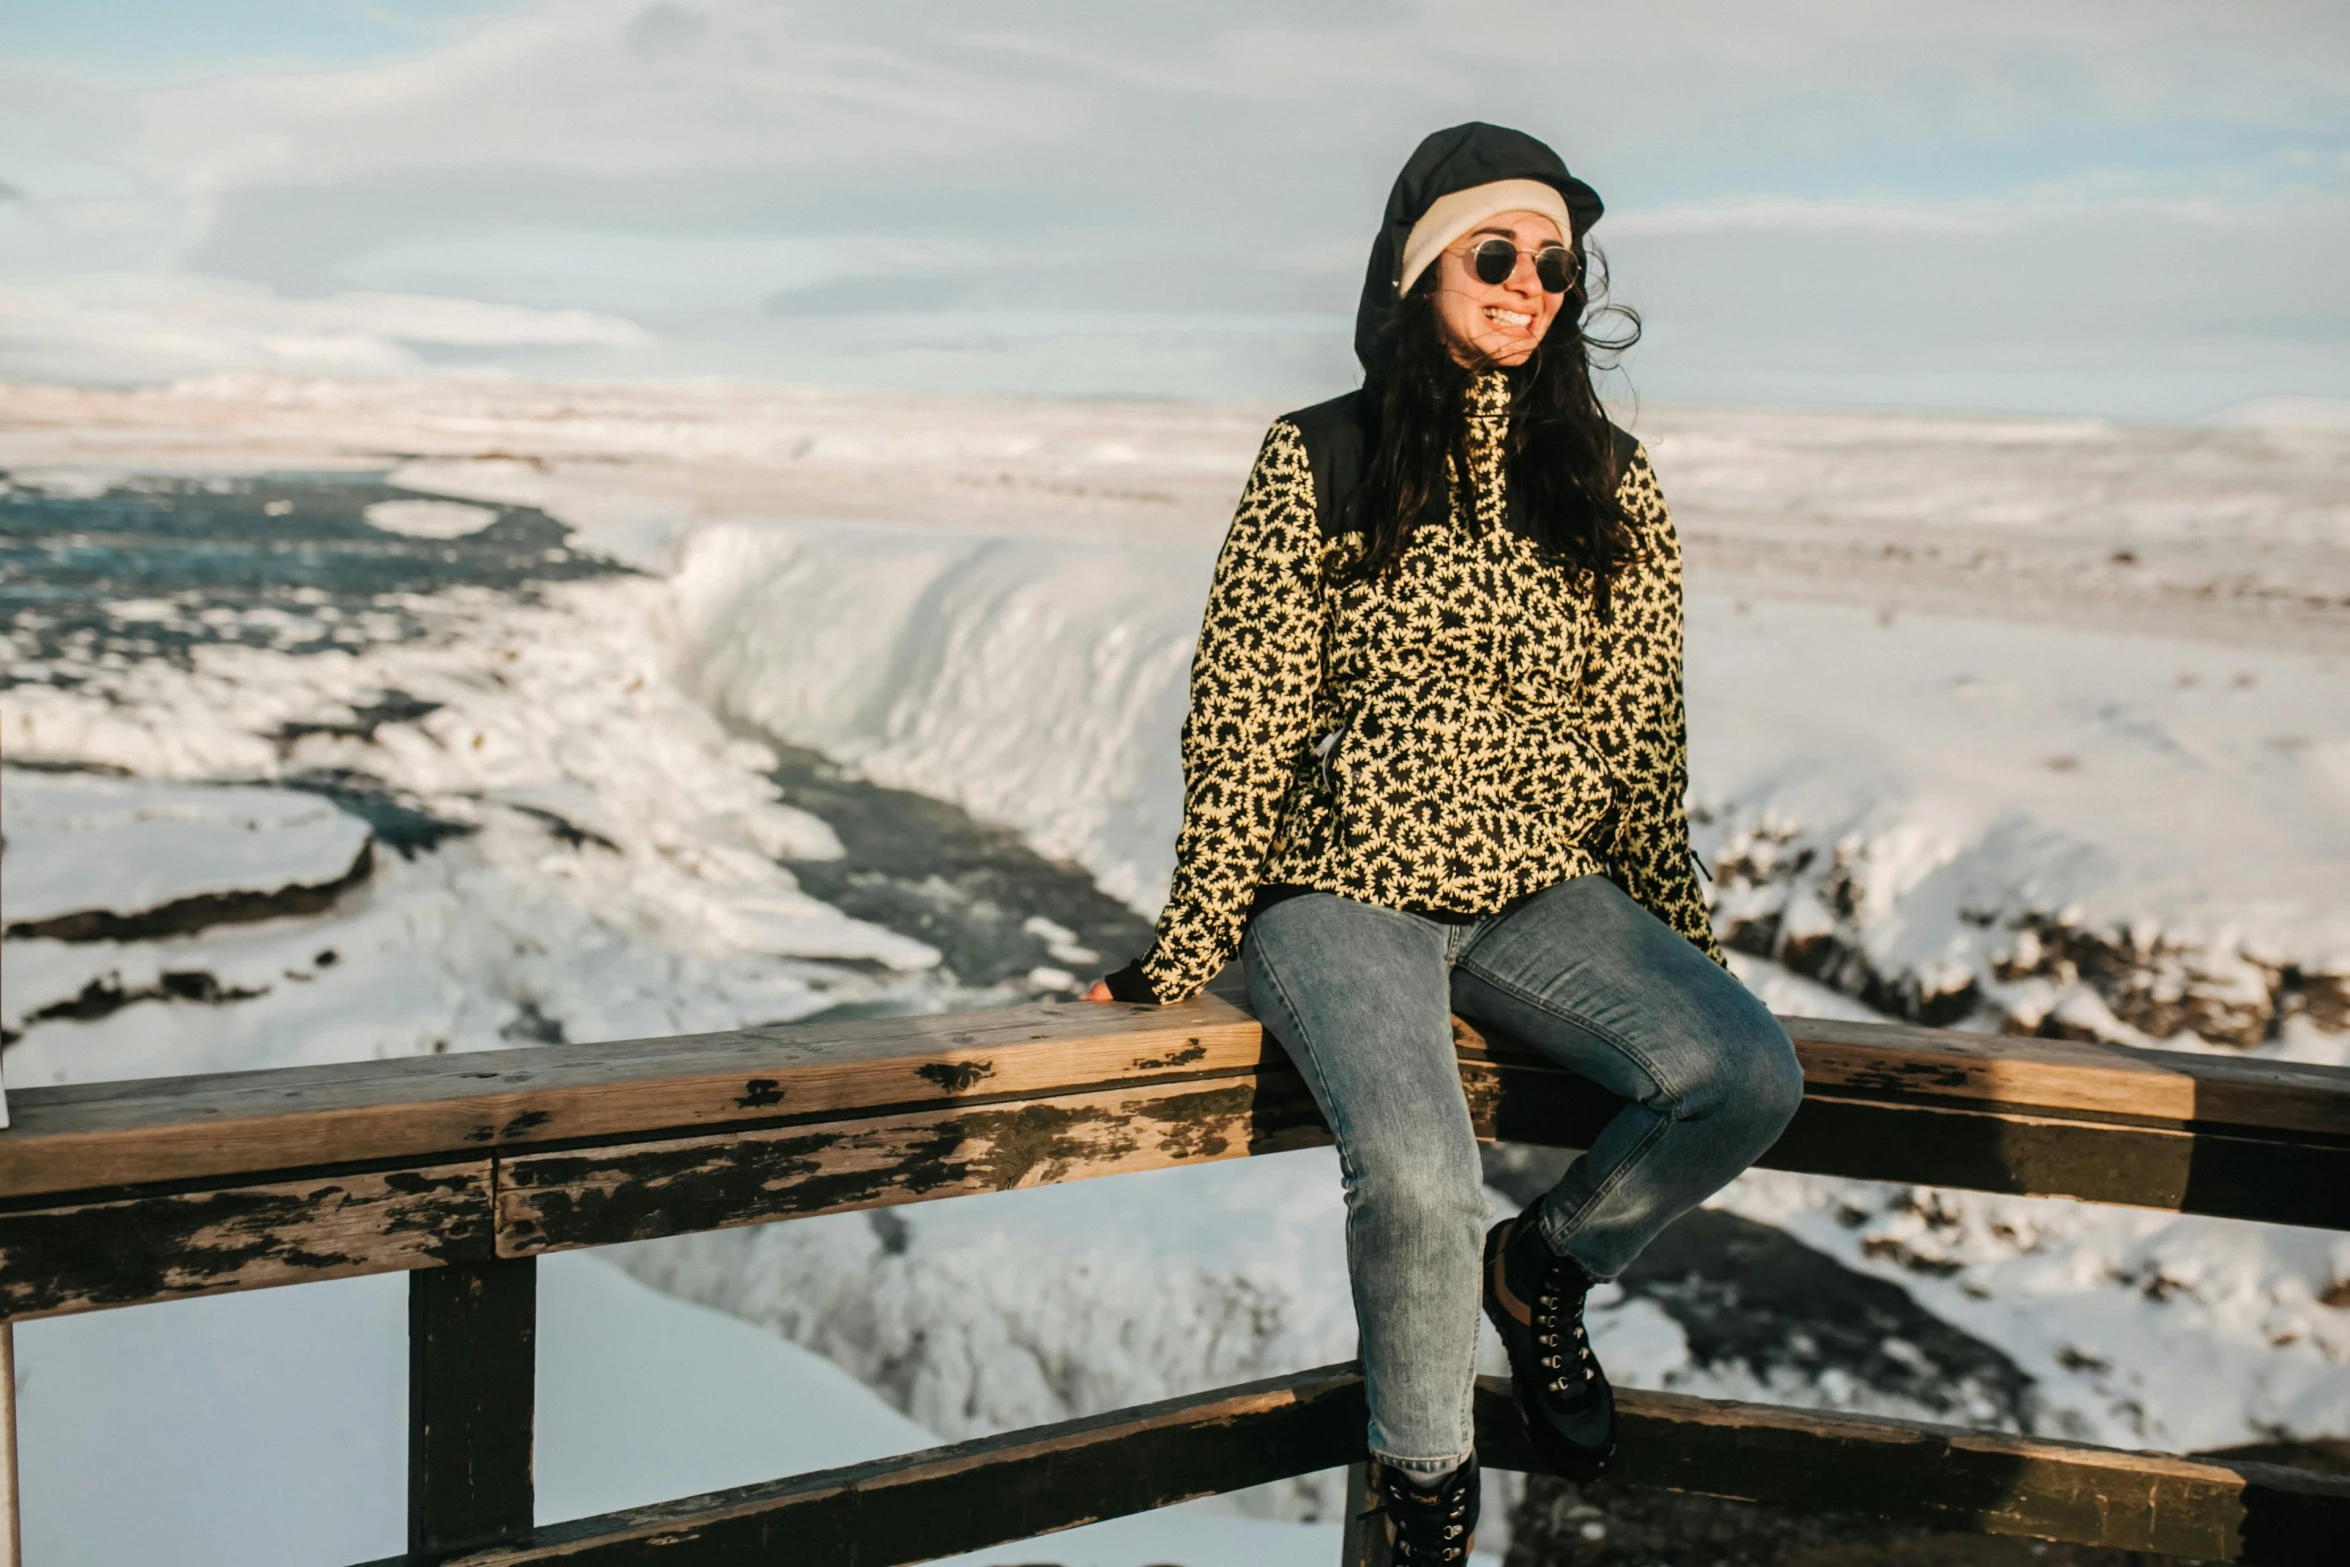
x: 1489, y: 395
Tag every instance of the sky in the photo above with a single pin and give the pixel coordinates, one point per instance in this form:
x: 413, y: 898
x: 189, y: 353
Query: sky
x: 2136, y: 209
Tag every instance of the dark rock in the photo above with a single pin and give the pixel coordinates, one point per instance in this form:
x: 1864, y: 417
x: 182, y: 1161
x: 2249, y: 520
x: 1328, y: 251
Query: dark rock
x: 184, y: 915
x: 391, y: 707
x: 101, y: 997
x: 530, y: 1026
x: 564, y: 830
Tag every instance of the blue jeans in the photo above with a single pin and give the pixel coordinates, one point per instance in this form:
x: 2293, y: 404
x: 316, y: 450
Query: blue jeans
x: 1361, y: 996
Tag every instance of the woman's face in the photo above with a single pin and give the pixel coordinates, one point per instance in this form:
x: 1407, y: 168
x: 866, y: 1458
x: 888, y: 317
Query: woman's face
x: 1496, y: 323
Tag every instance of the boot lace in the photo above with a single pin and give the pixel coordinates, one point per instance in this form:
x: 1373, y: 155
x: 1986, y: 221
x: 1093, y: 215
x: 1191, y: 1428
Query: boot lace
x: 1565, y: 1351
x: 1427, y: 1534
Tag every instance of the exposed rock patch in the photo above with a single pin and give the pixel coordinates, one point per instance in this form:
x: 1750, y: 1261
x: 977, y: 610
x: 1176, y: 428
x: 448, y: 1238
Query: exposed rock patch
x: 1807, y: 905
x: 103, y: 996
x: 93, y: 858
x: 184, y: 915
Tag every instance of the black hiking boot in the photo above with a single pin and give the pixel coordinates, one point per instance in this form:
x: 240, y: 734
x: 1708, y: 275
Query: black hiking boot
x: 1535, y: 1299
x: 1429, y: 1525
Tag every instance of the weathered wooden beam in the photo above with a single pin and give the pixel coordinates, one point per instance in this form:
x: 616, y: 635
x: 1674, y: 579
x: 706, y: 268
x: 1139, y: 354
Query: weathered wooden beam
x: 980, y: 1493
x: 250, y: 1124
x: 11, y: 1518
x: 2294, y: 1178
x: 1900, y: 1059
x: 596, y: 1196
x: 472, y: 1367
x: 975, y: 1494
x: 1363, y: 1542
x: 121, y: 1250
x: 240, y: 1123
x: 1914, y: 1132
x: 967, y: 1110
x: 1898, y: 1064
x: 599, y: 1195
x: 1982, y: 1482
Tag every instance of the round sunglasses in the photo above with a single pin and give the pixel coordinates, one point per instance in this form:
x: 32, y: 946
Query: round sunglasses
x: 1556, y: 267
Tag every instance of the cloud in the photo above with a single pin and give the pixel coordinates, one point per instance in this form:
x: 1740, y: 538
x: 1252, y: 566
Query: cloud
x: 761, y: 186
x: 126, y: 328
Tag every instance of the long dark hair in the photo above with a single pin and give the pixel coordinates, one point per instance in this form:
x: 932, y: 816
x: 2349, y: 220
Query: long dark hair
x: 1562, y: 462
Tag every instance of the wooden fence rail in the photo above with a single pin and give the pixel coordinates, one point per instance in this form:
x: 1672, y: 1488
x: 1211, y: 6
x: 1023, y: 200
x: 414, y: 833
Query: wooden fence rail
x: 974, y: 1494
x: 464, y: 1168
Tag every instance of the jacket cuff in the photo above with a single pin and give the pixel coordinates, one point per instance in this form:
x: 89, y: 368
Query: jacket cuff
x: 1131, y: 984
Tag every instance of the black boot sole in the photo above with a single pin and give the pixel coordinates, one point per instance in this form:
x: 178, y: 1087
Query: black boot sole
x: 1571, y: 1460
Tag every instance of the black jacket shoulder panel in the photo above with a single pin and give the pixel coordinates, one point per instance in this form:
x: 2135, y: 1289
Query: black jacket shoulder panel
x: 1627, y: 446
x: 1336, y: 443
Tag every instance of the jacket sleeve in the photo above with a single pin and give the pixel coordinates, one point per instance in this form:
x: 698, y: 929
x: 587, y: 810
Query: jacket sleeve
x: 1253, y: 681
x: 1638, y: 721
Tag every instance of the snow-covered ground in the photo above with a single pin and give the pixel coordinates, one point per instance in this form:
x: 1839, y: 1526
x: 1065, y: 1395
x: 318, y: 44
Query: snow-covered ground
x: 609, y: 857
x: 2022, y: 724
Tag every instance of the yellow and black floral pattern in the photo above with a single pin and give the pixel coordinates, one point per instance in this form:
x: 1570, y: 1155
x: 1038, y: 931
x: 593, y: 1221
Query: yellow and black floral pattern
x: 1446, y: 737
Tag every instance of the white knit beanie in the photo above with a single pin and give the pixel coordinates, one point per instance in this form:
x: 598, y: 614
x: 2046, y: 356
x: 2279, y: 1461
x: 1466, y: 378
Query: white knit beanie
x: 1449, y: 217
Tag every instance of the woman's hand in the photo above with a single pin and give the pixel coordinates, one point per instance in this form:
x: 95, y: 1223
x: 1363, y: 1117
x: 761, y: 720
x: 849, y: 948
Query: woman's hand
x: 1099, y: 992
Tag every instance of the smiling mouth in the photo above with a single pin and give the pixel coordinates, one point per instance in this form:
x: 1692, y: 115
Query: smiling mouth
x: 1510, y: 318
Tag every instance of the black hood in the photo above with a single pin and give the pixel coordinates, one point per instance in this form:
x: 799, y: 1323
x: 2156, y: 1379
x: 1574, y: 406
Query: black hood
x: 1450, y: 160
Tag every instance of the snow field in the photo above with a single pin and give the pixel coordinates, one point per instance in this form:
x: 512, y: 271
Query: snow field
x: 2123, y: 828
x: 2127, y: 838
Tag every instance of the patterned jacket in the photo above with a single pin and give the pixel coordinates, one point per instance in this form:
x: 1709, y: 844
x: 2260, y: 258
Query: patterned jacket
x: 1447, y: 738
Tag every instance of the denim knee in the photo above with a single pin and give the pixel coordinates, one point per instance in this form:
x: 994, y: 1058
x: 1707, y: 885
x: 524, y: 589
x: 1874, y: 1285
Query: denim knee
x: 1769, y: 1086
x: 1750, y: 1079
x: 1420, y: 1196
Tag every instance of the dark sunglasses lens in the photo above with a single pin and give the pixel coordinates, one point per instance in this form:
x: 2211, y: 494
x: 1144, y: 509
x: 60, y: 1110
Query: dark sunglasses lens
x: 1554, y: 266
x: 1495, y: 260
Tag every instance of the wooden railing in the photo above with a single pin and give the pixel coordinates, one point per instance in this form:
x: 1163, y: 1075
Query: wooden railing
x: 463, y: 1169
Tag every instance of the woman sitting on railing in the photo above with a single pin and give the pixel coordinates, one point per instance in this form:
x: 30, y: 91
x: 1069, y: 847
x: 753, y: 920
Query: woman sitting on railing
x: 1435, y: 762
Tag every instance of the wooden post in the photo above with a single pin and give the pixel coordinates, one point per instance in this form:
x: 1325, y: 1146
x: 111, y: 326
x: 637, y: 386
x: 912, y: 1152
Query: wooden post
x: 472, y: 1376
x: 1366, y: 1531
x: 11, y: 1520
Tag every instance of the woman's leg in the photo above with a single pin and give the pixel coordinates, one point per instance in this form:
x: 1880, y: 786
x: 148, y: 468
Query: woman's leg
x: 1597, y: 983
x: 1358, y: 996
